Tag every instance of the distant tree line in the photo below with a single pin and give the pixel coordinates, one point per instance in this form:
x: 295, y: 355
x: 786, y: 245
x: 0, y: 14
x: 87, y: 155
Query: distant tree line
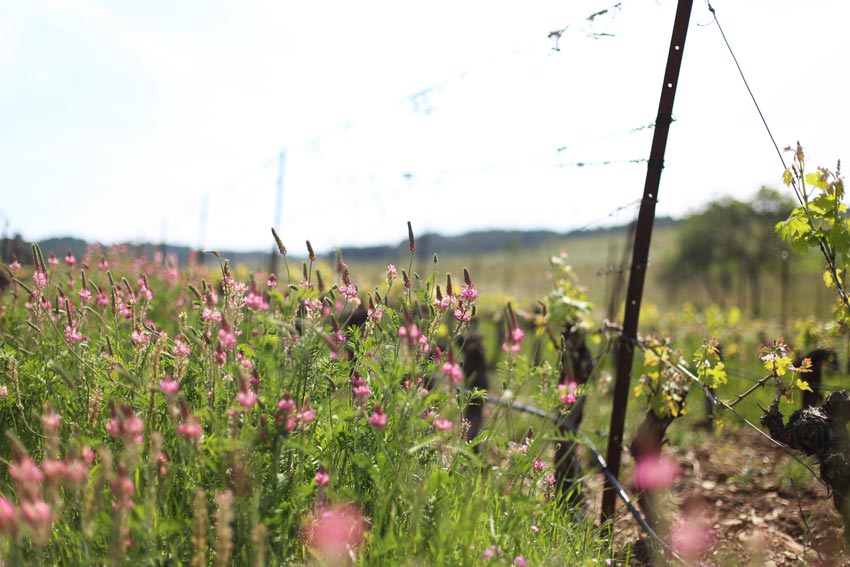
x: 729, y: 246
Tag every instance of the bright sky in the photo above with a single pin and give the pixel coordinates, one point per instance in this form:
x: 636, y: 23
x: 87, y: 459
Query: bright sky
x: 126, y: 121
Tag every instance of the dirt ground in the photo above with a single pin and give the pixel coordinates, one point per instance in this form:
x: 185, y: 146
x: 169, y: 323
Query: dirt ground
x: 762, y: 507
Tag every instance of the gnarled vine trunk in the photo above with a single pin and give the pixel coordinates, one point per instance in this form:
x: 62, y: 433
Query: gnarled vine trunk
x: 821, y: 431
x: 576, y: 366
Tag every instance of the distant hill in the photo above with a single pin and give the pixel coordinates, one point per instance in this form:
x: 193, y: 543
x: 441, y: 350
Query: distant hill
x: 476, y: 242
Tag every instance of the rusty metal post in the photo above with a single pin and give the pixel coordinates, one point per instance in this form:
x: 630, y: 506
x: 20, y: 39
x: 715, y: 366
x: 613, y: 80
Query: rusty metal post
x: 640, y: 254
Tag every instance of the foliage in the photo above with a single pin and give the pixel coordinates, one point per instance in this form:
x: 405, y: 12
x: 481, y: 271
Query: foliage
x: 663, y: 386
x: 820, y: 221
x: 166, y: 416
x: 729, y: 241
x: 567, y: 302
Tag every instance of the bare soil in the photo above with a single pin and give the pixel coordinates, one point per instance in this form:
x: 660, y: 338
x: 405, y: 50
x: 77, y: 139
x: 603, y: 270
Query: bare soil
x: 764, y: 508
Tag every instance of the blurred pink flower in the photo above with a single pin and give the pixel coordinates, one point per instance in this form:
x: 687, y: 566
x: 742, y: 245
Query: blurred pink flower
x: 84, y: 294
x: 468, y: 292
x: 69, y: 259
x: 692, y: 537
x: 442, y: 424
x: 569, y: 395
x: 247, y: 399
x: 491, y: 552
x: 515, y: 338
x: 72, y: 335
x: 8, y: 515
x: 335, y: 533
x: 191, y: 428
x: 538, y: 466
x: 39, y: 279
x: 227, y: 338
x: 655, y: 472
x: 322, y: 477
x: 378, y: 419
x: 520, y: 561
x: 452, y: 371
x: 24, y: 471
x: 286, y: 403
x: 168, y: 385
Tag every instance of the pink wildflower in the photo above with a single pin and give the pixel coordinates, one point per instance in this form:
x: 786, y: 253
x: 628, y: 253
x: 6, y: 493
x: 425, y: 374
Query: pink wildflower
x: 452, y: 371
x: 52, y: 259
x: 15, y: 265
x: 139, y: 337
x: 568, y: 397
x: 378, y: 419
x: 226, y: 336
x: 123, y: 488
x: 37, y: 513
x: 256, y: 302
x: 25, y: 471
x: 286, y: 403
x: 211, y: 315
x: 8, y: 515
x: 54, y: 469
x: 103, y: 265
x: 247, y: 399
x: 520, y: 561
x: 191, y: 428
x: 307, y: 414
x: 335, y: 533
x: 72, y: 335
x: 84, y: 294
x: 39, y: 279
x: 168, y: 385
x: 424, y: 345
x: 76, y: 472
x: 538, y: 466
x: 322, y: 477
x: 69, y: 258
x: 102, y: 299
x: 655, y: 472
x: 468, y: 292
x: 515, y: 338
x: 180, y: 348
x: 272, y: 281
x: 442, y: 424
x: 50, y: 422
x: 126, y: 425
x: 693, y: 537
x: 462, y: 315
x: 491, y: 552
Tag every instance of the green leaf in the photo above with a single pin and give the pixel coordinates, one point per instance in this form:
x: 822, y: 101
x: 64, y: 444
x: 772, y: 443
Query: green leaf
x: 828, y: 280
x: 787, y: 177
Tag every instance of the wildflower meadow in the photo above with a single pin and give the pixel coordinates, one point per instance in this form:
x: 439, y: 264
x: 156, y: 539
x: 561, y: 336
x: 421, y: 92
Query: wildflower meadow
x: 156, y: 414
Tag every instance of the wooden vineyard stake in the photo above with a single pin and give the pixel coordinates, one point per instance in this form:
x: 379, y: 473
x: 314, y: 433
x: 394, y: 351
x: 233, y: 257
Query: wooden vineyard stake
x: 640, y: 254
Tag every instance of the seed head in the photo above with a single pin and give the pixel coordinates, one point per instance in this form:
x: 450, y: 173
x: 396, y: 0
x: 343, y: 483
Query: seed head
x: 279, y: 242
x: 410, y: 239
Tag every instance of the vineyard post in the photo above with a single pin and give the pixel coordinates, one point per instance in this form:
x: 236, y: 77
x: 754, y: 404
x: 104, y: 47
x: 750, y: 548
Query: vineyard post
x: 640, y: 253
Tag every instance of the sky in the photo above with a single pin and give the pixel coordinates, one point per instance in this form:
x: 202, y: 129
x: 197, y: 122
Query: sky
x: 165, y: 121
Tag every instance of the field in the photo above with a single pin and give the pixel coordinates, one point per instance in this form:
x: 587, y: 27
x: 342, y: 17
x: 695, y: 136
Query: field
x: 209, y: 415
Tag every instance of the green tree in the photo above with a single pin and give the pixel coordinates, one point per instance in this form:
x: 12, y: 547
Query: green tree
x: 731, y: 242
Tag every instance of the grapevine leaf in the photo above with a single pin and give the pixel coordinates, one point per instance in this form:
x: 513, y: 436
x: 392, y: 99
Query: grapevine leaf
x: 787, y: 178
